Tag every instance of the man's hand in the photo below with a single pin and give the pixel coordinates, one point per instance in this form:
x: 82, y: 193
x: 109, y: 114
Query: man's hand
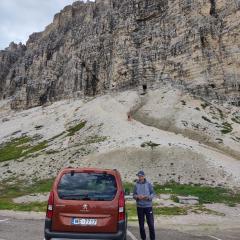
x: 142, y: 197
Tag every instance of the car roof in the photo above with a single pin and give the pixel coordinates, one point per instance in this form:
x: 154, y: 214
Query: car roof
x: 88, y: 169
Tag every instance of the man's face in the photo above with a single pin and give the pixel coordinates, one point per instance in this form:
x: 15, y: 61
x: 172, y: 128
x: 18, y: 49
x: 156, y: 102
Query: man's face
x: 141, y: 178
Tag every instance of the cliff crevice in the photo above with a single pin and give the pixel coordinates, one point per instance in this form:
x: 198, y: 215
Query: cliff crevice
x: 96, y: 46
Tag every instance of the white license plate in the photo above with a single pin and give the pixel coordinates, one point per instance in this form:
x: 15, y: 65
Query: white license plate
x: 84, y: 221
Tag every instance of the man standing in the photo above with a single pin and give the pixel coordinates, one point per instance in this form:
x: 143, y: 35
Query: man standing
x: 143, y: 194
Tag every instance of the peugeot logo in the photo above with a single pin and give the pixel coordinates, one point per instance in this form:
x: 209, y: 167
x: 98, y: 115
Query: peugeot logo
x: 85, y: 207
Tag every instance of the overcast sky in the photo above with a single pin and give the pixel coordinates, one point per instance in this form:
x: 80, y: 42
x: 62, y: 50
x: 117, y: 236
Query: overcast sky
x: 20, y: 18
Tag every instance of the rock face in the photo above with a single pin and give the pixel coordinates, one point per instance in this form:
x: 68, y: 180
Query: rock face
x: 95, y: 46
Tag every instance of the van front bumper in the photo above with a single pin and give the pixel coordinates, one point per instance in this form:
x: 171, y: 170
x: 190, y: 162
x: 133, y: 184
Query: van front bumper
x: 120, y: 235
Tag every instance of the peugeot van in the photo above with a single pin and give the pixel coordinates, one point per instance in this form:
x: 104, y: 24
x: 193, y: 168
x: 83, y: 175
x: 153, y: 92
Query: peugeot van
x: 86, y: 203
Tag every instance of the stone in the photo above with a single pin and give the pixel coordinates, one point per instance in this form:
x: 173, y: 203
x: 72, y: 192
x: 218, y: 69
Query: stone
x: 190, y: 200
x: 39, y: 197
x: 94, y: 47
x: 165, y: 196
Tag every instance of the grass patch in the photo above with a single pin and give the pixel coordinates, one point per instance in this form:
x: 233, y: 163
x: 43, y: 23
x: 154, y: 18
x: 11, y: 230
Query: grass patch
x: 183, y: 102
x: 57, y: 136
x: 6, y: 204
x: 49, y: 152
x: 220, y: 113
x: 219, y: 140
x: 166, y: 211
x: 149, y: 144
x: 95, y: 139
x: 38, y: 127
x: 206, y: 119
x: 236, y: 119
x: 20, y: 188
x: 14, y: 149
x: 128, y: 187
x: 205, y: 194
x: 19, y: 147
x: 227, y: 128
x: 40, y: 146
x: 41, y: 186
x: 232, y: 204
x: 205, y: 105
x: 17, y: 188
x: 174, y: 198
x: 198, y: 209
x: 170, y: 211
x: 75, y: 129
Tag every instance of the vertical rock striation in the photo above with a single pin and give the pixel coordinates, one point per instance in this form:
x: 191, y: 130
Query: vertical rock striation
x: 94, y: 46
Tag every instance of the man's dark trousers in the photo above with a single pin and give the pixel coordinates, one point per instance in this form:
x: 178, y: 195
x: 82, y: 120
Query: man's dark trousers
x: 148, y: 212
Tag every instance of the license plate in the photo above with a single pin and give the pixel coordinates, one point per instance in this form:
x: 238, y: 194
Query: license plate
x: 84, y: 221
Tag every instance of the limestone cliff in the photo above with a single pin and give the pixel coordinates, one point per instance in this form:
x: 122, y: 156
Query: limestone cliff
x: 95, y: 46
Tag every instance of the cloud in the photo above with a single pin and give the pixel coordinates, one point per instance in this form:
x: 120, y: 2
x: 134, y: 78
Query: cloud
x: 20, y: 18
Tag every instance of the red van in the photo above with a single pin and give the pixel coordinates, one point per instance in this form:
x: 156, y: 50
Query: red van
x: 86, y: 203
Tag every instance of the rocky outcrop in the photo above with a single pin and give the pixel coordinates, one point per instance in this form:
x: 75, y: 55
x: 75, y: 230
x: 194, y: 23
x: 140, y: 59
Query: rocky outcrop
x: 8, y: 58
x: 95, y: 46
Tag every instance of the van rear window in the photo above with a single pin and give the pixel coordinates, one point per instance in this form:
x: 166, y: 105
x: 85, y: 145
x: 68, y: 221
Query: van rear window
x: 87, y: 186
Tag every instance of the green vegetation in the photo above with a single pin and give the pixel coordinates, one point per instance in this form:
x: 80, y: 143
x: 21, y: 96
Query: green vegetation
x: 49, y: 152
x: 174, y: 198
x: 227, y: 128
x: 5, y: 204
x: 38, y: 127
x: 236, y: 139
x: 220, y: 113
x: 205, y: 194
x: 57, y: 136
x: 219, y: 140
x: 198, y: 109
x: 167, y: 211
x: 183, y: 102
x: 19, y: 147
x: 40, y: 146
x: 236, y: 119
x: 206, y: 119
x: 232, y: 204
x: 170, y: 211
x: 13, y: 188
x: 13, y: 149
x: 131, y: 211
x: 95, y: 139
x: 41, y: 186
x: 201, y: 209
x: 205, y: 105
x: 149, y: 144
x: 128, y: 187
x: 75, y: 129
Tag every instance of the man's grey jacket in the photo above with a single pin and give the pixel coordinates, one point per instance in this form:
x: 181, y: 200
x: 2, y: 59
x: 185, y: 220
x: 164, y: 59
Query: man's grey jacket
x: 143, y: 188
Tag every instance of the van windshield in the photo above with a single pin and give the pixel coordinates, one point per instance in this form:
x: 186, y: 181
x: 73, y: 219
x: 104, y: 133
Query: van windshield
x: 87, y: 186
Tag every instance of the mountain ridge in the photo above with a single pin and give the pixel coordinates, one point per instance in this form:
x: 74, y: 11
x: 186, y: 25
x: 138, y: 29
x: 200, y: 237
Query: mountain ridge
x: 96, y: 46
